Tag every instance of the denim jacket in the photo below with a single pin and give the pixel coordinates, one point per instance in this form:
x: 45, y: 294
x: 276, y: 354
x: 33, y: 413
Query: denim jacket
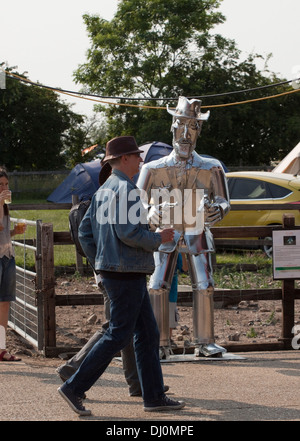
x: 114, y: 232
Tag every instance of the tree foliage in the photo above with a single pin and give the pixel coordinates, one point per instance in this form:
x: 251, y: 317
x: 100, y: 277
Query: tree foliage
x: 37, y: 131
x: 166, y: 48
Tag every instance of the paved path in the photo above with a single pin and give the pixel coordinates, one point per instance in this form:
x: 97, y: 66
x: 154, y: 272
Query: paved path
x: 261, y: 386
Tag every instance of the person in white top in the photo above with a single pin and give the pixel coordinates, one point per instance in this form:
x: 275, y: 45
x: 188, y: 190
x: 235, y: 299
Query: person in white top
x: 7, y: 264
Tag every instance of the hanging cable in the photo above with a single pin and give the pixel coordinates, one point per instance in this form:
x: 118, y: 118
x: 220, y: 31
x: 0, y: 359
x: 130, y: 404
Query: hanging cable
x: 203, y: 107
x: 162, y: 99
x: 95, y: 98
x: 254, y: 89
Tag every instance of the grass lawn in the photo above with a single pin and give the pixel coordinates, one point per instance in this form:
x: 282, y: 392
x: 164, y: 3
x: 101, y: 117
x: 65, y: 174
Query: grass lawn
x: 64, y: 255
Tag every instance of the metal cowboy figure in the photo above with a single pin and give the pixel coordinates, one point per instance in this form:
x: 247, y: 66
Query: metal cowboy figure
x: 188, y: 192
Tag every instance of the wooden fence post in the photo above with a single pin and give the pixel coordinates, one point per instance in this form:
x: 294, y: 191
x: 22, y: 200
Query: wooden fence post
x: 48, y: 285
x: 288, y: 296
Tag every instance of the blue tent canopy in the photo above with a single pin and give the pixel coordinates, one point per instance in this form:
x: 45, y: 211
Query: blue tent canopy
x: 82, y: 181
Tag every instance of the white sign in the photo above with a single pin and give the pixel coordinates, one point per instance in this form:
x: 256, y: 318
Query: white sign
x: 286, y: 254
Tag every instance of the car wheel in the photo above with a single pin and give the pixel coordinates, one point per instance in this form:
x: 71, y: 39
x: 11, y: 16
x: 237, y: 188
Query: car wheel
x: 268, y: 249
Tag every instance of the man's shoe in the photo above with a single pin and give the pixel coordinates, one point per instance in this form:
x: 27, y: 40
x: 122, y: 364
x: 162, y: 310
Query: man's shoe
x: 64, y: 379
x: 74, y: 401
x: 139, y: 394
x: 164, y: 403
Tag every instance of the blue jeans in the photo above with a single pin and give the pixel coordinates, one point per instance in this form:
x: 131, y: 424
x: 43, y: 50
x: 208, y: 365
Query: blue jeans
x: 130, y: 314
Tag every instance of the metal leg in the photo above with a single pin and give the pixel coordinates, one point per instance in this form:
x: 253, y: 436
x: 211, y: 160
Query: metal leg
x: 203, y: 305
x: 159, y: 288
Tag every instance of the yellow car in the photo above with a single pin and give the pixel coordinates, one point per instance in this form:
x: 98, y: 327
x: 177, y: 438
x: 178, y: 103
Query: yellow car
x: 249, y: 188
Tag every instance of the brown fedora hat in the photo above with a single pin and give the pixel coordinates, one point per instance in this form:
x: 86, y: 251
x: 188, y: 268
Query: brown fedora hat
x: 122, y: 145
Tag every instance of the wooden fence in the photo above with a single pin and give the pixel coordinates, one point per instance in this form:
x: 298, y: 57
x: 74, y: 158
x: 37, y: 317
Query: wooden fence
x: 287, y: 294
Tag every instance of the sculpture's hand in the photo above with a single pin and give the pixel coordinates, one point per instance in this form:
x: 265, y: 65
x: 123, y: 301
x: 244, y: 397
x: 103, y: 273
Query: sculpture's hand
x: 213, y: 214
x: 160, y: 214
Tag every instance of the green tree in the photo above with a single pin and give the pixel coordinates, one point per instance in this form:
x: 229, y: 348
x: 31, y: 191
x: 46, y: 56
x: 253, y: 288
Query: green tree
x: 88, y: 134
x: 165, y: 48
x: 37, y: 131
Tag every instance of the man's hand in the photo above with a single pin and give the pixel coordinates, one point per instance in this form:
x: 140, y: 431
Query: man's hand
x: 167, y: 235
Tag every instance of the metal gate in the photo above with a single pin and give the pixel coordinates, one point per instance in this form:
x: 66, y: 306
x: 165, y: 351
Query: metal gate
x: 26, y: 313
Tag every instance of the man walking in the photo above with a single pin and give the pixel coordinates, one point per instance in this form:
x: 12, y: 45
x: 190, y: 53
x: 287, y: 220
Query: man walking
x: 115, y: 237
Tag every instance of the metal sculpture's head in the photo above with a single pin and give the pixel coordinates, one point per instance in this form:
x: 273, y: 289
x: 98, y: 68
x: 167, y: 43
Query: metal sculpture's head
x: 186, y: 126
